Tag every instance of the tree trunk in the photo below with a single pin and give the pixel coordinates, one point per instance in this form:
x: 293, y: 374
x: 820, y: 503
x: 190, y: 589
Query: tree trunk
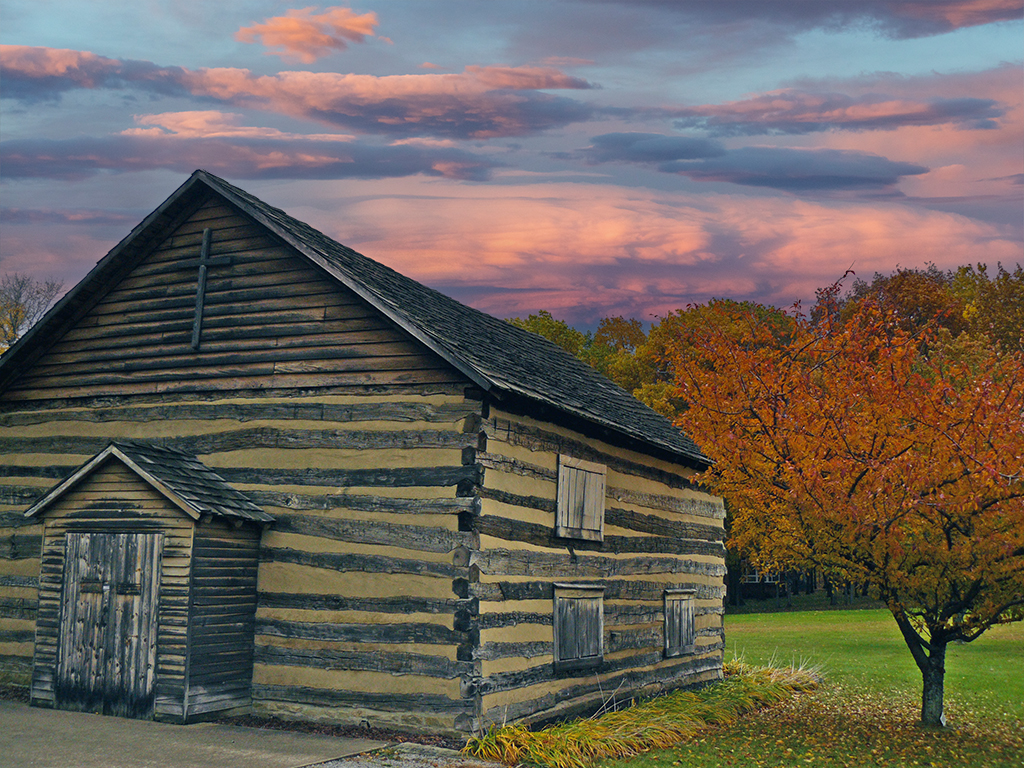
x: 931, y: 660
x: 933, y: 674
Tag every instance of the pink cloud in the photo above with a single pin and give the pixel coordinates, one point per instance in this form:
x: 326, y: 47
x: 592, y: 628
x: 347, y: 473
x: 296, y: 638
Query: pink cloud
x: 33, y: 74
x: 214, y: 124
x: 480, y: 102
x: 582, y: 251
x: 306, y: 36
x: 585, y: 251
x: 965, y: 161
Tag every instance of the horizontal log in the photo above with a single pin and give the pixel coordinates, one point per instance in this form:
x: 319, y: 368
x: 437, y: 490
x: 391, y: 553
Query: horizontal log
x: 539, y: 503
x: 302, y: 328
x: 18, y: 665
x: 13, y: 403
x: 235, y: 302
x: 360, y: 503
x: 528, y: 650
x: 614, y: 589
x: 636, y: 521
x: 710, y: 507
x: 426, y: 634
x: 372, y: 661
x: 257, y: 437
x: 234, y: 379
x: 385, y: 477
x: 358, y: 563
x: 177, y: 279
x: 8, y: 580
x: 379, y: 477
x: 17, y: 635
x: 52, y: 472
x: 499, y: 463
x: 544, y: 536
x: 183, y: 356
x: 404, y: 605
x: 18, y: 608
x: 222, y: 666
x: 244, y: 364
x: 414, y: 537
x: 21, y: 495
x: 445, y: 413
x: 543, y: 564
x: 17, y: 519
x: 427, y: 703
x: 20, y: 546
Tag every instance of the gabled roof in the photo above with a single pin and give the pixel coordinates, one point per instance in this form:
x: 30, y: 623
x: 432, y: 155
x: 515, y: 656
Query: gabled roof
x: 495, y: 355
x: 185, y: 481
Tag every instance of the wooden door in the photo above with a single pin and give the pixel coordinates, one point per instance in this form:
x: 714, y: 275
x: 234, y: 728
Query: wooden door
x: 106, y: 655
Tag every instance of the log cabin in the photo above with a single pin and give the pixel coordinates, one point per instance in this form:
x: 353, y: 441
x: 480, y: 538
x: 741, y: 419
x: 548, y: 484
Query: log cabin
x: 244, y: 468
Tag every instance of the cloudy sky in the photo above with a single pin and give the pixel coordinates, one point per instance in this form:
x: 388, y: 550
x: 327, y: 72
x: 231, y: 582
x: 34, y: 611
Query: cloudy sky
x: 588, y: 157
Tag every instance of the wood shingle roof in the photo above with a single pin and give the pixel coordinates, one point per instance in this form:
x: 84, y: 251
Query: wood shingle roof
x: 184, y: 480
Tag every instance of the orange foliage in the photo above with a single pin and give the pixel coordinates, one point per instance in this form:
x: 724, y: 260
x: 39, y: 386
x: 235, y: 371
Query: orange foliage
x: 839, y: 446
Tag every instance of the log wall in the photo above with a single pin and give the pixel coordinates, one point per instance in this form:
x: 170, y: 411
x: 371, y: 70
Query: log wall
x: 661, y: 532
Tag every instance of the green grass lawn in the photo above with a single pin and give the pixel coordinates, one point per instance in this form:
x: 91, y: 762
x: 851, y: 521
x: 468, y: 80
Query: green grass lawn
x: 866, y: 710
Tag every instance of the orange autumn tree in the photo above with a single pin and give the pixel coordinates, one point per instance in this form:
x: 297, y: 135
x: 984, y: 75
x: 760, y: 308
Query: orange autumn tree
x: 874, y: 452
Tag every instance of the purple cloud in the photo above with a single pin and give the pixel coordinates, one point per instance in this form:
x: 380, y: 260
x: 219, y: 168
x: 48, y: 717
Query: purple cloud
x: 649, y: 148
x: 776, y: 167
x: 78, y: 216
x: 797, y: 170
x: 795, y: 111
x: 238, y: 158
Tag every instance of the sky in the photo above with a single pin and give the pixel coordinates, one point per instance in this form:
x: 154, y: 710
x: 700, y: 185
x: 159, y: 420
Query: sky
x: 591, y: 158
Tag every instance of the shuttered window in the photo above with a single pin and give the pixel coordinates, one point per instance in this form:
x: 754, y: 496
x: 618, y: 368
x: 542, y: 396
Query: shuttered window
x: 581, y: 490
x: 680, y: 635
x: 579, y: 626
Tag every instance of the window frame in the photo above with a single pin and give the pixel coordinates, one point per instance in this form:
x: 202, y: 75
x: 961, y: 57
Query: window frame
x: 567, y: 601
x: 683, y: 602
x: 581, y: 492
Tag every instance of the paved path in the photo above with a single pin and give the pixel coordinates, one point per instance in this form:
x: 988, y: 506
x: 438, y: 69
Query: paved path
x: 45, y: 738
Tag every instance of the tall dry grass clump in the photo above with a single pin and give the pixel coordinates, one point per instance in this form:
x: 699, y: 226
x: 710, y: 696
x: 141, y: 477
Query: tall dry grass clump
x: 655, y: 723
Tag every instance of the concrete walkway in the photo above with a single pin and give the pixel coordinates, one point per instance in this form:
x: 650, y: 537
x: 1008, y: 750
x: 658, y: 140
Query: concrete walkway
x: 44, y: 738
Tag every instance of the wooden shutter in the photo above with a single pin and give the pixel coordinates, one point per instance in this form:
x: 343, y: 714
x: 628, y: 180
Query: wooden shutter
x: 581, y: 492
x: 578, y: 626
x: 680, y: 634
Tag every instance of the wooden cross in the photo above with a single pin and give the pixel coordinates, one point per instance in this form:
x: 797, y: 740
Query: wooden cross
x: 204, y: 262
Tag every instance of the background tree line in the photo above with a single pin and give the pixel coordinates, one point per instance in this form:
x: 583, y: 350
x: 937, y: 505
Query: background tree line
x: 967, y: 304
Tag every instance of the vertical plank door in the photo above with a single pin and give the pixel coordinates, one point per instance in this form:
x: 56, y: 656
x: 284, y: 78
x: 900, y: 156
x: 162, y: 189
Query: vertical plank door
x: 107, y: 644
